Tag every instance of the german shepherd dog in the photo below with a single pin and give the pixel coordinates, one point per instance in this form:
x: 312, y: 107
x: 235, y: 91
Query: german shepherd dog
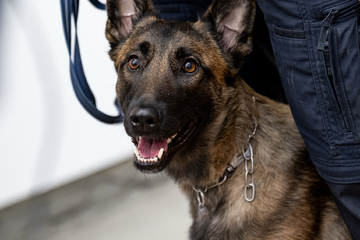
x: 237, y: 155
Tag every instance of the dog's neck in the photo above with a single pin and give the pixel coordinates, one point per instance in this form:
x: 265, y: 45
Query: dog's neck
x: 232, y: 129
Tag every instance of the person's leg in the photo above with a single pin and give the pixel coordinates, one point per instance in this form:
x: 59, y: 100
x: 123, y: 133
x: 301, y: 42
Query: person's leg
x: 181, y: 10
x: 317, y: 52
x: 348, y: 203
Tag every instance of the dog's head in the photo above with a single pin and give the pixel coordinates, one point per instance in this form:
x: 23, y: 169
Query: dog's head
x: 172, y: 76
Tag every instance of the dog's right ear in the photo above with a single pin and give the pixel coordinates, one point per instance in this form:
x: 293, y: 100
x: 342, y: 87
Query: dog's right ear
x: 123, y: 16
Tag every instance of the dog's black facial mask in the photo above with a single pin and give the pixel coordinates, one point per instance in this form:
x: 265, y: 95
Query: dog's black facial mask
x: 171, y: 76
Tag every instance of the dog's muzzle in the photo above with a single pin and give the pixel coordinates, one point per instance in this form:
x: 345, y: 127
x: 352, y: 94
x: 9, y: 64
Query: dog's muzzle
x: 153, y: 139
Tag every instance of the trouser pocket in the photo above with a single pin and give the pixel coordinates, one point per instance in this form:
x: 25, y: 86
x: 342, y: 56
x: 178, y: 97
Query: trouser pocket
x: 339, y: 44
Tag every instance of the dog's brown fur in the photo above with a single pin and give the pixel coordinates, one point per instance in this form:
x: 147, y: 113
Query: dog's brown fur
x: 292, y: 201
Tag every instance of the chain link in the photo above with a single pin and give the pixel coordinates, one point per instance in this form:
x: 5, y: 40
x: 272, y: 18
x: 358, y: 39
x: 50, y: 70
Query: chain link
x: 200, y: 197
x: 249, y: 170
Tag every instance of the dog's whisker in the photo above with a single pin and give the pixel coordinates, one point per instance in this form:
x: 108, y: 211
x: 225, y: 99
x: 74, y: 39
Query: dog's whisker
x: 146, y: 178
x: 160, y: 174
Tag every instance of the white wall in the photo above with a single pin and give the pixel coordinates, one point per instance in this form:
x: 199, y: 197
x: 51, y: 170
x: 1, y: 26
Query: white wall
x: 46, y: 137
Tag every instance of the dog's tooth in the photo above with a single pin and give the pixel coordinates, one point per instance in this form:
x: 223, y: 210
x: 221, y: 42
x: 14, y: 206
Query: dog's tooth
x: 136, y: 151
x: 160, y: 153
x: 169, y: 140
x: 155, y: 159
x: 174, y: 136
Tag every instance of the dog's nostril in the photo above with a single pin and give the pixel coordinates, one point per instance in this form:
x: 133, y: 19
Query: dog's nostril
x: 135, y: 120
x: 150, y: 121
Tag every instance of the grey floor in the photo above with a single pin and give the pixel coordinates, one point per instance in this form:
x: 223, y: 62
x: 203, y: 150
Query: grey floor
x: 117, y: 203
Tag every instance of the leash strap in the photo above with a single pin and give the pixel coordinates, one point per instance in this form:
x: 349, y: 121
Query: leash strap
x: 69, y: 9
x: 98, y: 4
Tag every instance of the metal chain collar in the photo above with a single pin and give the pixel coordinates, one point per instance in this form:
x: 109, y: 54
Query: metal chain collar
x: 249, y: 169
x: 248, y: 158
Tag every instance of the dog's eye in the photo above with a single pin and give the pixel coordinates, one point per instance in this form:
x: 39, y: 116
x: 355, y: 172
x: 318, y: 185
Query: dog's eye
x: 189, y: 67
x: 134, y: 63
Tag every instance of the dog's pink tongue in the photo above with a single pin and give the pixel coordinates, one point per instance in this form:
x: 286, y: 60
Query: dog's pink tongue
x: 150, y: 148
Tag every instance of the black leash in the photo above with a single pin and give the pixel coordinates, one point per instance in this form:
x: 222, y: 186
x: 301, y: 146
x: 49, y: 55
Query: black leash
x: 69, y: 9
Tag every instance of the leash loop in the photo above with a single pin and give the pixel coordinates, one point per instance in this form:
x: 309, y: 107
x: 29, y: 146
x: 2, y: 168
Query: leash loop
x: 69, y: 10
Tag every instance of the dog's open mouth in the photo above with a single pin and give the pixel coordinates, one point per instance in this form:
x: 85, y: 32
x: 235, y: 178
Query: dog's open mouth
x: 152, y: 154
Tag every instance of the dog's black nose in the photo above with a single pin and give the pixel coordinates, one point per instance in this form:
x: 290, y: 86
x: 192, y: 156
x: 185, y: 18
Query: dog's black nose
x: 144, y: 119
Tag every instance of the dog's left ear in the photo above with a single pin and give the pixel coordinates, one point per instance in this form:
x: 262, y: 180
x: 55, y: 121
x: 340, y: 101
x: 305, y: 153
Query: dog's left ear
x: 231, y: 23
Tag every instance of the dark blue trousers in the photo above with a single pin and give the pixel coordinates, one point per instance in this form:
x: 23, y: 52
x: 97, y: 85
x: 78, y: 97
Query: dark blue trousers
x: 317, y: 50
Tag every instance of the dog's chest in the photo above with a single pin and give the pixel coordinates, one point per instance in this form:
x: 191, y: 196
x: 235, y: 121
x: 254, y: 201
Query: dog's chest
x: 222, y: 217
